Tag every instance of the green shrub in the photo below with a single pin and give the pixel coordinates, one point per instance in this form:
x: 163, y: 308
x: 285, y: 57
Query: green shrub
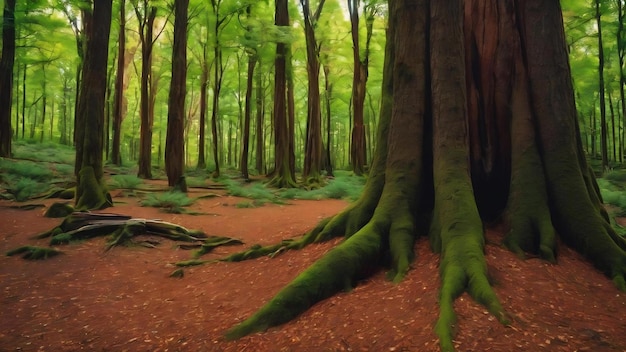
x: 616, y: 176
x: 25, y: 168
x: 256, y: 191
x: 170, y: 202
x: 26, y: 188
x: 47, y: 151
x: 124, y: 181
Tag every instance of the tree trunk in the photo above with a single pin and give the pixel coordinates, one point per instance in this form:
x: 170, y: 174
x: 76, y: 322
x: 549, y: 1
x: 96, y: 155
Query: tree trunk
x: 259, y: 122
x: 359, y: 80
x: 204, y: 80
x: 621, y: 53
x: 328, y: 87
x: 217, y: 85
x: 146, y: 25
x: 90, y: 190
x: 118, y: 113
x: 443, y: 60
x: 252, y: 60
x: 603, y: 129
x: 311, y: 173
x: 283, y: 172
x: 174, y: 142
x: 6, y: 76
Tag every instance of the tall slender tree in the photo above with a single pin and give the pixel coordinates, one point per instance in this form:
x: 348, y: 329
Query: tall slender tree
x: 252, y: 60
x: 313, y: 148
x: 146, y: 15
x: 174, y: 141
x: 603, y: 127
x: 6, y: 76
x: 358, y: 148
x: 90, y: 190
x: 118, y: 99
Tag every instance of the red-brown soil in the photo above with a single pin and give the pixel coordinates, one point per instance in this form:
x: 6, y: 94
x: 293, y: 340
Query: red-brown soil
x: 123, y: 299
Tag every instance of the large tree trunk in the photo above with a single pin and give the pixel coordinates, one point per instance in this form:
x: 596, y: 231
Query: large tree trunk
x: 283, y: 171
x: 174, y: 142
x: 6, y: 76
x: 462, y: 78
x: 90, y: 190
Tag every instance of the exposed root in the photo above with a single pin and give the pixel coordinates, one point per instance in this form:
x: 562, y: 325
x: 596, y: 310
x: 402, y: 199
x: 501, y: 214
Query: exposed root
x: 34, y: 252
x: 123, y: 229
x: 339, y: 269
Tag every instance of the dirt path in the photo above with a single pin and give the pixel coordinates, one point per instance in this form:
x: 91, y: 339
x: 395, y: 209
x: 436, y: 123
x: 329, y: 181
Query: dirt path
x: 123, y: 300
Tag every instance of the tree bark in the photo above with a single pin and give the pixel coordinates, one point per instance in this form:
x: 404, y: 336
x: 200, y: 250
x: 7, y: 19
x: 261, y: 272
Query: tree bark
x: 6, y: 76
x: 90, y: 190
x: 603, y: 132
x: 252, y: 60
x: 259, y: 123
x: 174, y: 142
x: 204, y: 81
x: 311, y: 173
x: 146, y: 26
x: 283, y: 171
x: 118, y: 100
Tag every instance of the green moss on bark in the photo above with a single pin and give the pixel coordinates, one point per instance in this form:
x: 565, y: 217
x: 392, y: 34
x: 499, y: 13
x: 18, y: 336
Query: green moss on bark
x: 91, y: 194
x: 339, y: 269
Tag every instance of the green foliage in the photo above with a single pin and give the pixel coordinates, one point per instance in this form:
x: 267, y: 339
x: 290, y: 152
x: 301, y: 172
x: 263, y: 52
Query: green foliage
x: 24, y: 179
x: 256, y: 191
x: 344, y: 186
x: 25, y: 188
x: 26, y: 169
x: 613, y: 193
x: 124, y: 182
x: 170, y: 202
x: 47, y: 151
x: 616, y: 176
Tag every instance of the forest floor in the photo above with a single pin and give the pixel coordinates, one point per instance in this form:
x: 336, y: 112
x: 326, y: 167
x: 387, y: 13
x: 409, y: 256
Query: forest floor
x: 123, y: 299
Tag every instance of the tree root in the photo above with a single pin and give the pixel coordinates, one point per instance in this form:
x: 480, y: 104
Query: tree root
x: 34, y: 252
x: 337, y: 270
x: 123, y: 229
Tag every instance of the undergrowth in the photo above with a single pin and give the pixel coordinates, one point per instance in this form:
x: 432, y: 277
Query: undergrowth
x: 47, y: 151
x: 344, y: 186
x: 124, y: 182
x: 35, y: 169
x: 169, y: 202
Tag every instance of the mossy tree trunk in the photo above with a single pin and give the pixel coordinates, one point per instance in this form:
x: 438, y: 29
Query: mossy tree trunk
x: 90, y: 190
x: 174, y: 141
x: 477, y: 100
